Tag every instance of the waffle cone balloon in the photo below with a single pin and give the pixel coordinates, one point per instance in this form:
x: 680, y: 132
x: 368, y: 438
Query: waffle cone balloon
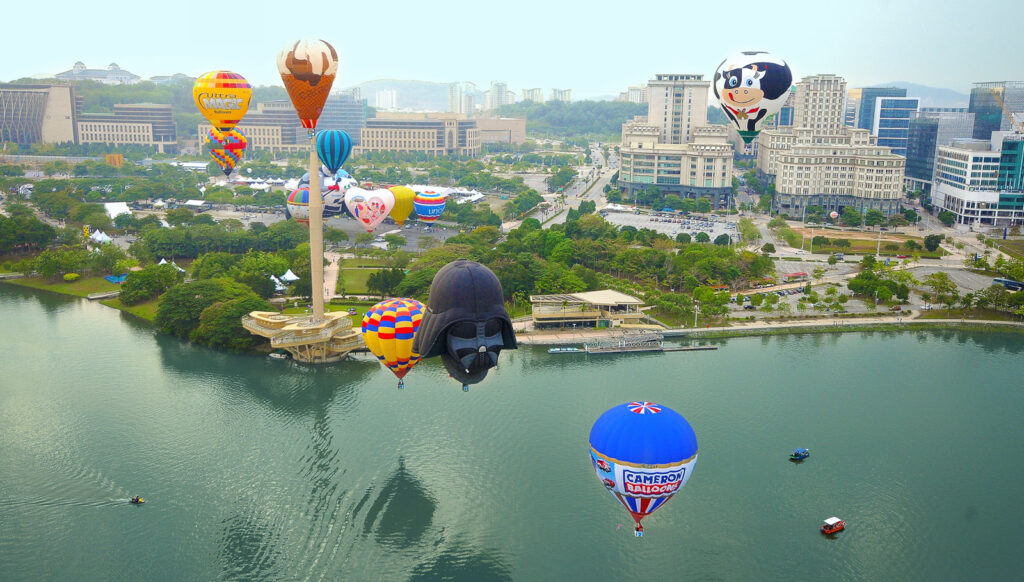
x: 308, y: 69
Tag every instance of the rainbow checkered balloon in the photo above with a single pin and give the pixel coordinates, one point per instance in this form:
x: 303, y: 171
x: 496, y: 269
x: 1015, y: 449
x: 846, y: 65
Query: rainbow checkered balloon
x: 388, y: 330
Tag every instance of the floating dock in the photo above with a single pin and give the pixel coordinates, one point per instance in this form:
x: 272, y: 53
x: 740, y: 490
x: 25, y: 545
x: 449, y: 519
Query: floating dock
x: 641, y: 342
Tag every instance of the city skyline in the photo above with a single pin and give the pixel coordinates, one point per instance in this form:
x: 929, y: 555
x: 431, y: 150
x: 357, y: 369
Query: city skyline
x: 572, y: 49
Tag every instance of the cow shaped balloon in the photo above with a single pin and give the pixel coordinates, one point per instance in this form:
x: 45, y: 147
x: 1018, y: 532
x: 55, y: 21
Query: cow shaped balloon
x: 370, y: 207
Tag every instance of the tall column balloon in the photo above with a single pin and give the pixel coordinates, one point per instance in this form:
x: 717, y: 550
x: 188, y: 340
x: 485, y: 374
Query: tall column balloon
x: 308, y: 68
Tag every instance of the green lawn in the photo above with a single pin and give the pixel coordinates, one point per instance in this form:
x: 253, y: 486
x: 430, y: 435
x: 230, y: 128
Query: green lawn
x: 145, y: 310
x: 354, y: 280
x: 359, y: 263
x: 80, y: 288
x: 1014, y: 248
x: 939, y: 312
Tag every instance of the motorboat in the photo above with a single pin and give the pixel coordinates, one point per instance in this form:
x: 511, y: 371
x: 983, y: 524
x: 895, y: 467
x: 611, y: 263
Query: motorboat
x: 832, y: 525
x: 564, y: 350
x: 137, y: 500
x: 799, y: 454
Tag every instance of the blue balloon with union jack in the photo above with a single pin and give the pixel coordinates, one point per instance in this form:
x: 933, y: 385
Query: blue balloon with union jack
x: 643, y: 453
x: 333, y: 147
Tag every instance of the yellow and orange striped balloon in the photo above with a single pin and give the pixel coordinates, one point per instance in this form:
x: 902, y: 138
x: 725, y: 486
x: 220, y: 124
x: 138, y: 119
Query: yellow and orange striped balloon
x: 222, y: 97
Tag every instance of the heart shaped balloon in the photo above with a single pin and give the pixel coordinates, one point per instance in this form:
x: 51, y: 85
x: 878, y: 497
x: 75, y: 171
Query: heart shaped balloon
x: 370, y: 207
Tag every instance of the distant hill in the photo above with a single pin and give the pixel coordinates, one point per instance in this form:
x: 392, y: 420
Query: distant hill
x: 932, y: 96
x: 417, y: 95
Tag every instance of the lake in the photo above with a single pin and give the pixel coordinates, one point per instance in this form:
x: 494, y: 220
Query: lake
x: 257, y: 469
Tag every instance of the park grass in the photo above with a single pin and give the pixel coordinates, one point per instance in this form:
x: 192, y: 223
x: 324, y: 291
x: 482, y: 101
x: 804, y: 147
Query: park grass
x: 368, y: 263
x: 1014, y: 248
x: 939, y: 312
x: 145, y: 310
x: 80, y: 288
x: 353, y: 281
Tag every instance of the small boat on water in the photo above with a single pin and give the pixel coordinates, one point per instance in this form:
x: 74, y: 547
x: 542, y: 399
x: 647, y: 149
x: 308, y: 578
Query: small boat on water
x: 799, y: 455
x: 832, y: 525
x: 137, y: 500
x: 564, y: 350
x: 277, y: 356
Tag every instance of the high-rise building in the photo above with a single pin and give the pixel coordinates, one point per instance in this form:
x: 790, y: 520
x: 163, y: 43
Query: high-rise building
x: 38, y: 114
x: 866, y: 110
x: 852, y: 106
x: 497, y: 96
x: 564, y: 95
x: 455, y: 102
x: 386, y: 99
x: 440, y: 134
x: 929, y: 128
x: 346, y: 111
x: 892, y: 122
x: 969, y: 181
x: 819, y: 103
x: 677, y: 105
x: 673, y: 148
x: 822, y: 162
x: 634, y: 94
x: 988, y: 114
x: 145, y: 124
x: 535, y: 95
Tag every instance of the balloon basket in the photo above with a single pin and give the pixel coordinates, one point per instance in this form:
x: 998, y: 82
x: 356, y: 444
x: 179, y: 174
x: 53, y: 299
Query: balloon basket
x: 465, y: 387
x: 401, y: 384
x: 748, y: 136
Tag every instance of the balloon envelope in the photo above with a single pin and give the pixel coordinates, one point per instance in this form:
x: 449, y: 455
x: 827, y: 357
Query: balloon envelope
x: 370, y: 207
x: 643, y: 453
x: 226, y: 148
x: 308, y: 69
x: 404, y: 198
x: 222, y: 97
x: 833, y: 215
x: 428, y: 205
x: 750, y: 87
x: 298, y: 205
x: 333, y: 147
x: 388, y: 330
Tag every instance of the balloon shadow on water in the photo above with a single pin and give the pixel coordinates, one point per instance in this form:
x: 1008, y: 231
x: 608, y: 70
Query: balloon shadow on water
x: 464, y: 562
x: 402, y: 512
x: 248, y: 549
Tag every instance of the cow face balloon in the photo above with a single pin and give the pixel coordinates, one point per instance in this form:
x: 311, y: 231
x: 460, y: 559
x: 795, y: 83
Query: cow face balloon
x: 370, y: 207
x: 751, y: 86
x: 465, y: 322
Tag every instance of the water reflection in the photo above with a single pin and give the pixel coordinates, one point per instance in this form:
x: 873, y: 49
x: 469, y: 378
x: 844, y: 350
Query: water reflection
x: 402, y: 512
x: 464, y: 562
x: 248, y: 548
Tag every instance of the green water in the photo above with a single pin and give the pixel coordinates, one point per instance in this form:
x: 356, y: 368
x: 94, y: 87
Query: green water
x: 255, y: 469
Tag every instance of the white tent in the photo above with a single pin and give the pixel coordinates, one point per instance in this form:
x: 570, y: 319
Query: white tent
x: 115, y: 209
x: 162, y: 262
x: 289, y: 277
x: 278, y: 285
x: 175, y: 265
x: 100, y: 237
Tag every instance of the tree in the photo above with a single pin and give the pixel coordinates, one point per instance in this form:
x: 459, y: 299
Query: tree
x: 757, y: 299
x: 768, y: 248
x: 335, y: 235
x: 364, y: 238
x: 183, y: 304
x: 722, y: 240
x: 874, y: 217
x: 394, y: 241
x: 178, y: 216
x: 385, y: 281
x: 911, y: 245
x: 684, y: 238
x: 703, y: 205
x: 832, y: 260
x: 946, y: 217
x: 220, y: 324
x: 931, y: 242
x: 851, y: 217
x: 148, y: 282
x: 702, y: 237
x: 943, y: 287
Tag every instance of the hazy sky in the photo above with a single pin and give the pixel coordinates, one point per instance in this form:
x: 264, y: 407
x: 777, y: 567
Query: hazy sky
x: 594, y: 48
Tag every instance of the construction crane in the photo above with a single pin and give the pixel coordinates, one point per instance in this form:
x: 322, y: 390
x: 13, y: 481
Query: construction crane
x: 1018, y: 126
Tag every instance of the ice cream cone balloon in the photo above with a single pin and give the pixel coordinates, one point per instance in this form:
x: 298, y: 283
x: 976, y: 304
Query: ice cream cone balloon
x: 308, y: 68
x: 222, y: 97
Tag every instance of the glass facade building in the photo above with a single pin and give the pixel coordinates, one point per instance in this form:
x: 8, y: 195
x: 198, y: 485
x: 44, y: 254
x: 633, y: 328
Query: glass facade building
x: 892, y: 122
x: 988, y: 115
x: 866, y: 109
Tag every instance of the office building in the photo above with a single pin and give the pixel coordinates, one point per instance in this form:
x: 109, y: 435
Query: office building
x: 564, y: 95
x: 112, y: 75
x: 38, y: 114
x: 143, y: 124
x: 891, y: 122
x: 822, y: 162
x: 866, y: 109
x: 929, y: 128
x: 634, y: 94
x: 346, y: 111
x: 677, y: 105
x: 852, y: 106
x: 440, y: 134
x: 505, y: 130
x: 497, y: 96
x: 535, y: 95
x: 989, y: 116
x: 970, y: 181
x: 455, y: 102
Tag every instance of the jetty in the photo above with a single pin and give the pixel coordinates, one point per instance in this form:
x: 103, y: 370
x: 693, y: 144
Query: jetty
x: 103, y: 295
x: 640, y: 342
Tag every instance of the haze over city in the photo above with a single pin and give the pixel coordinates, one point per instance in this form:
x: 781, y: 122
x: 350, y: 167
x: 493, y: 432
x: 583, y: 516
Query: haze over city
x: 595, y: 49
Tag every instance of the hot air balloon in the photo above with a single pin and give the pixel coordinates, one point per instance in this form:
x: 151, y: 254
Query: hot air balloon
x: 332, y: 190
x: 833, y: 215
x: 465, y: 321
x: 370, y: 207
x: 428, y: 205
x: 298, y: 206
x: 308, y: 68
x: 226, y: 148
x: 404, y: 198
x: 333, y: 147
x: 643, y: 453
x: 388, y: 330
x: 222, y: 97
x: 750, y: 86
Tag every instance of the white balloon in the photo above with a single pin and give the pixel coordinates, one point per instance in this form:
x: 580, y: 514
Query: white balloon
x: 750, y: 87
x: 370, y: 207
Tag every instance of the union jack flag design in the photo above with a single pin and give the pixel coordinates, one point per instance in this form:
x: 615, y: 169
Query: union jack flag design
x: 644, y: 407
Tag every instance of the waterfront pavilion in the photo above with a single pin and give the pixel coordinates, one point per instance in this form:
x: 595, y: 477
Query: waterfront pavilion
x: 599, y: 309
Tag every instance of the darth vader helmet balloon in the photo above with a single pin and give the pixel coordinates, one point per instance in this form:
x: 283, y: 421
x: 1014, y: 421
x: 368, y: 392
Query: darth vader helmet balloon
x: 465, y: 321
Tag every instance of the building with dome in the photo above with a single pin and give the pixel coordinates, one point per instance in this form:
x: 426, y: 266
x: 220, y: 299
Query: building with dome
x: 112, y: 75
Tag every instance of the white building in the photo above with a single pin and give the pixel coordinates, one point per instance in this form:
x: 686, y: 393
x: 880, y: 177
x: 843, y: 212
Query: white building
x: 386, y: 99
x: 677, y: 104
x: 561, y: 95
x: 967, y: 181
